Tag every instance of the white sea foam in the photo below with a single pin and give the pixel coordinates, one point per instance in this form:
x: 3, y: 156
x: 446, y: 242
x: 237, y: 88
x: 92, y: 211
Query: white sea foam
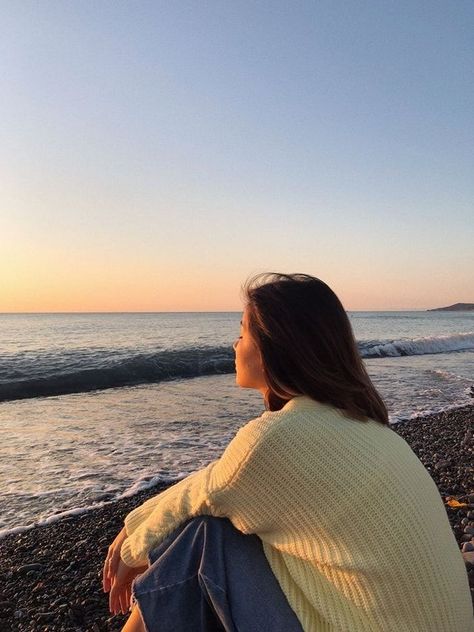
x: 428, y: 411
x: 420, y: 346
x: 449, y: 376
x: 134, y: 489
x: 147, y: 482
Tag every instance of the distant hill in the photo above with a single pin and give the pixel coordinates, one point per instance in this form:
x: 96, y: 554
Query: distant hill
x: 457, y: 307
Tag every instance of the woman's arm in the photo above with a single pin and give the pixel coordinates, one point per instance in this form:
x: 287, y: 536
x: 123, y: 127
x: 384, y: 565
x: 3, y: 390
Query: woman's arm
x: 137, y: 516
x: 224, y: 486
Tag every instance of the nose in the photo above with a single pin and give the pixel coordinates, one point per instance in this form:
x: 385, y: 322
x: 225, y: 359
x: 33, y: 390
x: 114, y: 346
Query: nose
x: 234, y: 346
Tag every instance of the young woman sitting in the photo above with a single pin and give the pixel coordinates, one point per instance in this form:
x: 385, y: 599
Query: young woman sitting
x: 317, y: 517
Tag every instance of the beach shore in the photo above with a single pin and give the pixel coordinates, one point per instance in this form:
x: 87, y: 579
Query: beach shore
x: 50, y: 576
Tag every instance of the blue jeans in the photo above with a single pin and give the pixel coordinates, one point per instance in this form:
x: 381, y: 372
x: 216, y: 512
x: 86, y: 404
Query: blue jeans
x: 208, y: 576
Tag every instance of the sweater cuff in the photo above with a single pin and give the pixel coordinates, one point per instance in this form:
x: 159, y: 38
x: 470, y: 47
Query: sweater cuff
x: 128, y: 558
x: 135, y: 518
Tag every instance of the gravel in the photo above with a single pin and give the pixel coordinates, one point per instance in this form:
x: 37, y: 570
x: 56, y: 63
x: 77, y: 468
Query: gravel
x: 51, y: 576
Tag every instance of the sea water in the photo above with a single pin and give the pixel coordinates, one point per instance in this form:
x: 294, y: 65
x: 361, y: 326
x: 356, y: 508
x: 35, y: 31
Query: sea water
x: 98, y: 406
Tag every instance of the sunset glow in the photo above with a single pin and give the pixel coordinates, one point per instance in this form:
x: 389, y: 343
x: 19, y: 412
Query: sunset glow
x: 153, y: 157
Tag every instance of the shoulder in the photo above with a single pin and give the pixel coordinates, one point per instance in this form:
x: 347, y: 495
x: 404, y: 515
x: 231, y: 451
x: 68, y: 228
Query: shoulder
x: 270, y: 425
x: 301, y: 417
x: 304, y: 421
x: 258, y: 428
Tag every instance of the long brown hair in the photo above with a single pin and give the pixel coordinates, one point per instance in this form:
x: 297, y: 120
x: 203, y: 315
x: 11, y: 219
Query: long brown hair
x: 307, y: 345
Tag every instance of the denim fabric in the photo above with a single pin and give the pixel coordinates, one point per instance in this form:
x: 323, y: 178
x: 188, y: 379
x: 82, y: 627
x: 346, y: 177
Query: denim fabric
x: 208, y: 576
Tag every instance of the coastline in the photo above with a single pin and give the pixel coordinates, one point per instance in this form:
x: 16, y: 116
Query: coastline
x: 51, y: 575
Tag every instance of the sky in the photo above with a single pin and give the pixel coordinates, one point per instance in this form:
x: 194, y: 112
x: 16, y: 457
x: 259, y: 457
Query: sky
x: 154, y: 155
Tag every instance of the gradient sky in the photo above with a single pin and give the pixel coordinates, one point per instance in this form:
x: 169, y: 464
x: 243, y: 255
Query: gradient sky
x: 153, y: 155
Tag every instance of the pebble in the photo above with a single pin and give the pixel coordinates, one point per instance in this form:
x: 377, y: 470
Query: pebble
x: 467, y: 546
x: 29, y: 567
x: 58, y: 602
x: 44, y: 616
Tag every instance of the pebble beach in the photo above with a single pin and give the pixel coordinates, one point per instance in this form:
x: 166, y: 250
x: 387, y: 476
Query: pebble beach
x: 50, y: 576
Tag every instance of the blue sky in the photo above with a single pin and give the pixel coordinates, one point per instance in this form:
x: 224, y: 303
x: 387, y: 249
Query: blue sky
x: 156, y: 154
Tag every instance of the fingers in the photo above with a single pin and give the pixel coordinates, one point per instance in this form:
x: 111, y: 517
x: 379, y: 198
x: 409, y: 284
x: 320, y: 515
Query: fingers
x: 112, y: 560
x: 110, y: 567
x: 108, y: 570
x: 119, y: 599
x: 117, y: 580
x: 105, y: 571
x: 119, y: 585
x: 123, y: 601
x: 106, y: 579
x: 113, y: 601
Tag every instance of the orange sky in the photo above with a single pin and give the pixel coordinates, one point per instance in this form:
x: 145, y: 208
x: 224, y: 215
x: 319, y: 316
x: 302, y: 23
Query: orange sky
x: 157, y: 171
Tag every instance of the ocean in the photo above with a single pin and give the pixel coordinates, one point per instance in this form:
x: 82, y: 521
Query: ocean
x: 94, y: 407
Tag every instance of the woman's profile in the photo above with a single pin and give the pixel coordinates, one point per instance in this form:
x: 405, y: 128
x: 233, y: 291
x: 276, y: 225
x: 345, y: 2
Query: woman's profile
x: 317, y: 517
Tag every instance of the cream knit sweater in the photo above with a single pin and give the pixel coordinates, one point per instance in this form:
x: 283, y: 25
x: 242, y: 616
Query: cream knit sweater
x: 352, y: 524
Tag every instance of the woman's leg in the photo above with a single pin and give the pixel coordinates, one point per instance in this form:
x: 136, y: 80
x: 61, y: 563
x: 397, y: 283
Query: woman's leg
x: 207, y: 576
x: 134, y: 622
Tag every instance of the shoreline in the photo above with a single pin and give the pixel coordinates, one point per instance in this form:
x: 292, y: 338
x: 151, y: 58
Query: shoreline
x: 51, y: 575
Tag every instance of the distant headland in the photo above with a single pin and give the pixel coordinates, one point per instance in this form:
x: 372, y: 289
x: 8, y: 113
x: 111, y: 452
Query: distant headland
x: 457, y: 307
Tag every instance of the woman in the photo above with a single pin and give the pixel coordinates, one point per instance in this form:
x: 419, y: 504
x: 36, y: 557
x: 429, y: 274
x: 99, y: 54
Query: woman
x: 317, y: 517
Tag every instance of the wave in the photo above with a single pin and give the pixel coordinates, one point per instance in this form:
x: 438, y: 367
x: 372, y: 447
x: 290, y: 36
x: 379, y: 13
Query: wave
x: 417, y: 346
x: 130, y: 371
x: 65, y: 372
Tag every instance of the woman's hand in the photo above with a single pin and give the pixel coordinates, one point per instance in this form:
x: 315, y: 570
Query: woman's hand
x: 112, y: 559
x: 121, y: 591
x: 117, y: 577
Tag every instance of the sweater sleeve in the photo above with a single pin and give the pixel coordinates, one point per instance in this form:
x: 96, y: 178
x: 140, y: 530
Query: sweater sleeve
x: 214, y: 490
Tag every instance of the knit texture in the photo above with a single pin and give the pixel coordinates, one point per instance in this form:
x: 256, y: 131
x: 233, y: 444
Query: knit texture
x: 352, y: 524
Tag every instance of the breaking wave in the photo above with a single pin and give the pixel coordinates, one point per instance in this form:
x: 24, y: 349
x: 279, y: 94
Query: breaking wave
x: 417, y: 346
x: 39, y: 375
x: 42, y: 378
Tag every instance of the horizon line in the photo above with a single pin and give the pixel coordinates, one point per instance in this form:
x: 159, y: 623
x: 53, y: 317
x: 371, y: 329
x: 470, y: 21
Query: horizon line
x: 222, y: 311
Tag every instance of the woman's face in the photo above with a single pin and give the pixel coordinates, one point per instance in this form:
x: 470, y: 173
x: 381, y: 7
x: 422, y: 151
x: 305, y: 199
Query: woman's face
x: 248, y: 361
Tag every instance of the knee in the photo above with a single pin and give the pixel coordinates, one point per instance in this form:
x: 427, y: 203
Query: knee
x: 217, y: 529
x: 210, y: 522
x: 205, y: 527
x: 206, y: 521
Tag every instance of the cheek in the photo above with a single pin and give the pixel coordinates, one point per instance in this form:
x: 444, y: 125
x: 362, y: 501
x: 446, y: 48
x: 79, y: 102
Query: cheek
x: 253, y: 361
x: 244, y: 356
